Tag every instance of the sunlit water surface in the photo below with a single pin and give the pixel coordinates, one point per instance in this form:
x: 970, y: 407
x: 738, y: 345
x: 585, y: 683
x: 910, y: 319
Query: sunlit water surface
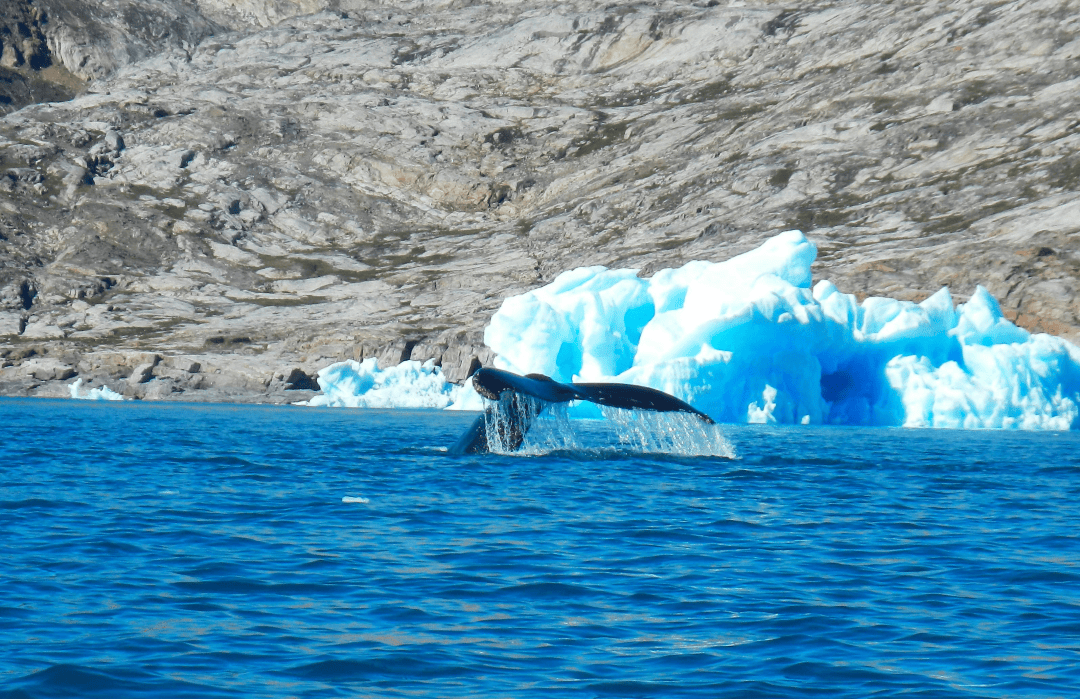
x: 204, y: 551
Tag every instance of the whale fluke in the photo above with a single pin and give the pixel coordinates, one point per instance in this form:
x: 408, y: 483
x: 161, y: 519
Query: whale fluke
x: 519, y: 400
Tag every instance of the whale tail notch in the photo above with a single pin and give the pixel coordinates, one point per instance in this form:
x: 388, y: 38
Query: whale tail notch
x: 516, y: 402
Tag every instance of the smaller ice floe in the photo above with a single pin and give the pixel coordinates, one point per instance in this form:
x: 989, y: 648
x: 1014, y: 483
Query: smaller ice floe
x: 100, y: 393
x: 410, y: 384
x: 467, y: 398
x: 355, y: 498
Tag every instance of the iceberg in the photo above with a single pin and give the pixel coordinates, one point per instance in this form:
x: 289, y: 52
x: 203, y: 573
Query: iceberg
x: 100, y: 393
x: 410, y: 384
x: 751, y: 339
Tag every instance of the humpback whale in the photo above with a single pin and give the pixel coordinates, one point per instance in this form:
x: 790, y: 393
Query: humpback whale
x: 519, y: 400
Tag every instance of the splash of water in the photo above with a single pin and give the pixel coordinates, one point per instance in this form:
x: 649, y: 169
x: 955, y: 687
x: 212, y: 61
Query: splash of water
x: 555, y: 431
x: 505, y: 418
x: 640, y: 431
x: 668, y: 433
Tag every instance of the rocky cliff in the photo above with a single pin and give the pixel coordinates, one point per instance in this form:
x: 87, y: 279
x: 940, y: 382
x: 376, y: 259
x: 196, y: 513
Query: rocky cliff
x: 242, y: 191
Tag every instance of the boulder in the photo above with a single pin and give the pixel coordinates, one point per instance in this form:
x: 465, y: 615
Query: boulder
x: 143, y: 372
x: 47, y: 369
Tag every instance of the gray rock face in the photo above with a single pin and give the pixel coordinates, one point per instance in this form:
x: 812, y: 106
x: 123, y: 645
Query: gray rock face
x: 49, y: 49
x: 373, y: 181
x: 45, y: 369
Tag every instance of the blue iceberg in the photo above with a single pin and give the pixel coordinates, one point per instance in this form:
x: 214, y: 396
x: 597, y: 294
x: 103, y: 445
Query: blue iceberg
x: 750, y: 340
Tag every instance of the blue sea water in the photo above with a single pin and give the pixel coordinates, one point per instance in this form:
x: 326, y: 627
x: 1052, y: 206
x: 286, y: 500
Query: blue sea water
x: 151, y: 550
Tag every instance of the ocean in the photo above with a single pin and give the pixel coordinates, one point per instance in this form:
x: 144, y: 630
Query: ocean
x: 181, y: 550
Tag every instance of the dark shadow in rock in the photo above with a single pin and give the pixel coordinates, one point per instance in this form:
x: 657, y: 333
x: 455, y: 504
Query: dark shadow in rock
x: 297, y: 380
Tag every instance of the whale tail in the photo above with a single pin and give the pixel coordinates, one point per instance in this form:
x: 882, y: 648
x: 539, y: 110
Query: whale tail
x: 516, y: 402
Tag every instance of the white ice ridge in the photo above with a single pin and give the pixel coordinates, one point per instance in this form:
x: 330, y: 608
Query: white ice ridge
x: 410, y: 384
x: 748, y: 340
x: 100, y: 393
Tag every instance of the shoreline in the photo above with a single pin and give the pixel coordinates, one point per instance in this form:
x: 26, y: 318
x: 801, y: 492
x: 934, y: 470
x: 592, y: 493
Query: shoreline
x: 272, y: 377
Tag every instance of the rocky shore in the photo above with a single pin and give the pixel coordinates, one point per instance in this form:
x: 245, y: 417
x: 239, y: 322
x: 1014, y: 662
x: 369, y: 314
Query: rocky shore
x: 240, y: 192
